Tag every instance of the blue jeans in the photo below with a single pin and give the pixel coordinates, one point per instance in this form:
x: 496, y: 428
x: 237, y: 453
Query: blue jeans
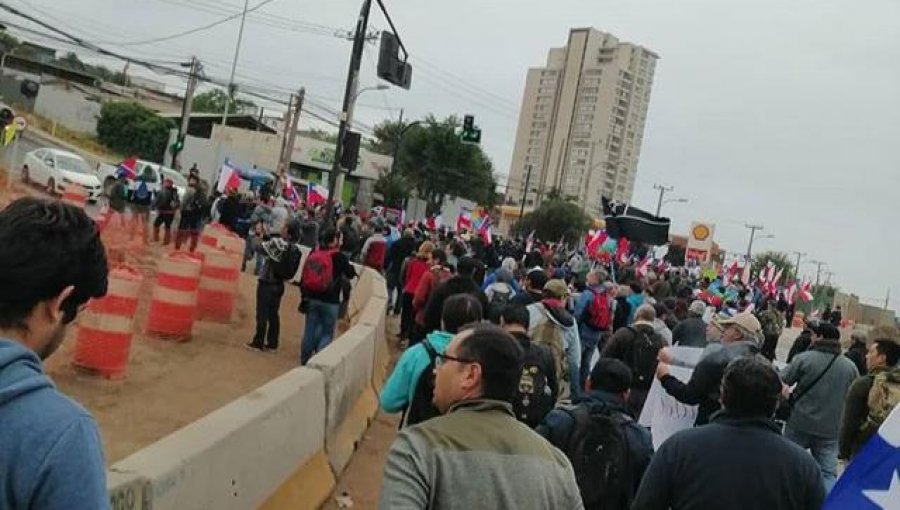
x: 590, y: 339
x: 824, y: 450
x: 321, y: 319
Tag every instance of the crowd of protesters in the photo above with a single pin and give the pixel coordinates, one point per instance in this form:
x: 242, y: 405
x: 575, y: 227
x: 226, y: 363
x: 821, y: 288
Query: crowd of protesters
x: 573, y: 351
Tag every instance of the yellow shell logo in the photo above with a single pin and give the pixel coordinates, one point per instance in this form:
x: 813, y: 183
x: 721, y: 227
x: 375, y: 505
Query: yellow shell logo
x: 700, y: 232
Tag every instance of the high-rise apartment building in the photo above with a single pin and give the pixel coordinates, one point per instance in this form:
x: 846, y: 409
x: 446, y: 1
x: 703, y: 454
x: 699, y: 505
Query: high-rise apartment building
x: 582, y: 121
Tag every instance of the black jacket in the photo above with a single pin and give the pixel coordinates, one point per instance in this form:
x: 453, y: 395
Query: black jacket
x: 734, y: 463
x: 801, y: 344
x: 557, y: 428
x: 401, y: 249
x: 703, y: 388
x: 455, y: 285
x: 526, y: 298
x: 691, y: 332
x: 540, y: 356
x: 857, y: 354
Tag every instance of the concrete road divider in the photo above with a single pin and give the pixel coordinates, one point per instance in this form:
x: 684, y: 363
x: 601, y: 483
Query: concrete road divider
x: 349, y: 398
x: 282, y: 445
x: 253, y: 449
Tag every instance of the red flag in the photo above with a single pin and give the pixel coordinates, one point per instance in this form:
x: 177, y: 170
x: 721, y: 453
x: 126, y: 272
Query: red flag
x: 622, y: 250
x: 463, y: 222
x: 595, y: 241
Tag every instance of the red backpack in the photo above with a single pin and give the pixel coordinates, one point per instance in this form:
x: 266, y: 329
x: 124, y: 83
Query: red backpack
x: 597, y: 313
x: 318, y: 272
x: 375, y: 255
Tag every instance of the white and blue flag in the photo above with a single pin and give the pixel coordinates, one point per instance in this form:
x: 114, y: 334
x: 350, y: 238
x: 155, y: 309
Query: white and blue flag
x: 872, y: 480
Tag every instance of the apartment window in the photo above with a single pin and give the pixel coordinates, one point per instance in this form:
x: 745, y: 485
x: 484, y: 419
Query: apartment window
x: 593, y: 72
x: 585, y: 108
x: 590, y: 81
x: 584, y: 118
x: 548, y: 81
x: 548, y: 72
x: 545, y: 90
x: 535, y: 132
x: 590, y: 90
x: 588, y: 99
x: 540, y: 124
x: 539, y: 116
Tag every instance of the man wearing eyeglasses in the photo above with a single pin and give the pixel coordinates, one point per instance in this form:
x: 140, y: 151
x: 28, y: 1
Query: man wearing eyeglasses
x: 477, y: 455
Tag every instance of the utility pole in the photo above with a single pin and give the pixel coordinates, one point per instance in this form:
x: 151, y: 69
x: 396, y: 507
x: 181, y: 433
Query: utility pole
x: 187, y: 106
x: 237, y: 50
x: 753, y: 229
x: 662, y: 191
x: 295, y: 121
x: 525, y: 192
x: 799, y: 254
x: 887, y: 299
x: 828, y: 275
x: 819, y: 265
x: 285, y: 130
x: 359, y: 41
x: 400, y: 131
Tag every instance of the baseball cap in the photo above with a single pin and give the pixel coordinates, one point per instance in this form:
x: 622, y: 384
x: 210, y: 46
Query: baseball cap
x: 824, y: 329
x: 745, y: 321
x: 556, y: 288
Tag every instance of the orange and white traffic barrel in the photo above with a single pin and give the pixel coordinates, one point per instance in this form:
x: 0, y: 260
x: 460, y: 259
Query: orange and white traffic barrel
x: 218, y: 284
x: 212, y: 233
x: 105, y: 327
x: 232, y: 243
x: 75, y: 194
x: 173, y: 306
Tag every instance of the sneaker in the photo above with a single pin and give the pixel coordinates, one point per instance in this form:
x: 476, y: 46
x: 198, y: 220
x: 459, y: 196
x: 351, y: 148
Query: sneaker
x: 253, y: 347
x: 270, y: 350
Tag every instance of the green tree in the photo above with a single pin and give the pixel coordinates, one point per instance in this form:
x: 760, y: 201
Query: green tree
x: 214, y: 101
x: 393, y: 187
x: 71, y: 61
x: 433, y: 161
x: 8, y: 42
x: 555, y: 219
x: 781, y: 261
x: 130, y: 128
x: 320, y: 134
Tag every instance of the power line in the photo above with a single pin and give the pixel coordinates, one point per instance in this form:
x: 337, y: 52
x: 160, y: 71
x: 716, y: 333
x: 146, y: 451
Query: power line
x: 188, y: 32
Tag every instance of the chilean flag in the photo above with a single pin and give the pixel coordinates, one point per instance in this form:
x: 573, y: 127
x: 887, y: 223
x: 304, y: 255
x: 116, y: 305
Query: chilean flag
x: 434, y: 222
x: 595, y: 240
x: 316, y: 195
x: 229, y: 179
x: 872, y: 480
x: 463, y: 222
x: 126, y: 168
x: 622, y: 250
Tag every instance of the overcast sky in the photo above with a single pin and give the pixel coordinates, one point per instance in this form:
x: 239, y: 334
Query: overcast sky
x: 784, y: 114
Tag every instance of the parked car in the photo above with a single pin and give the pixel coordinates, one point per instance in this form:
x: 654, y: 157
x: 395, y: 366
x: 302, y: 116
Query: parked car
x: 56, y: 169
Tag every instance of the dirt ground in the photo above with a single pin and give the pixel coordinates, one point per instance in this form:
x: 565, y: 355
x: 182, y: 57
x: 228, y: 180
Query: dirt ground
x: 170, y: 384
x: 361, y: 481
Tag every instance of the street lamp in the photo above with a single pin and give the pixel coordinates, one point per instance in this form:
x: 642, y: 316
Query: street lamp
x: 364, y: 89
x: 671, y: 200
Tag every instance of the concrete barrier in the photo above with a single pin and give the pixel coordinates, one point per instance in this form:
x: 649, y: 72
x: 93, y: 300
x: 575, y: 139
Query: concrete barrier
x: 238, y: 456
x: 280, y: 446
x: 350, y: 401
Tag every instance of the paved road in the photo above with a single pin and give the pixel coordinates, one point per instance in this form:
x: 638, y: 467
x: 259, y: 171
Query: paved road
x: 27, y: 144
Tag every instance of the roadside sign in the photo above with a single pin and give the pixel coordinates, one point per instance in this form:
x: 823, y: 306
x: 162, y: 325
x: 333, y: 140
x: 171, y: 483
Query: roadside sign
x: 20, y: 123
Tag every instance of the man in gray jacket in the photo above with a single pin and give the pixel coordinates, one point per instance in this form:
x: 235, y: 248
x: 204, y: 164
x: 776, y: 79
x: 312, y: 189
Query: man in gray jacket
x: 477, y: 455
x: 822, y: 377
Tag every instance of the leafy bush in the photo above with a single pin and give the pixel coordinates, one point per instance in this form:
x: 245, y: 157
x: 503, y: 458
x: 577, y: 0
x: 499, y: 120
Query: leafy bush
x: 133, y: 129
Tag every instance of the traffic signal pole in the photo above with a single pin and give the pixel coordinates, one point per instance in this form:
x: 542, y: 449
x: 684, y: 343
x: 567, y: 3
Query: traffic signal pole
x: 186, y: 108
x: 356, y: 55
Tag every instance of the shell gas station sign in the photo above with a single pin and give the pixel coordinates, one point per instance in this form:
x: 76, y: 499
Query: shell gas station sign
x: 700, y: 242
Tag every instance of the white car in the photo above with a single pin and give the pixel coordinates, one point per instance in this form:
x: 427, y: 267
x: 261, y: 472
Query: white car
x: 55, y: 169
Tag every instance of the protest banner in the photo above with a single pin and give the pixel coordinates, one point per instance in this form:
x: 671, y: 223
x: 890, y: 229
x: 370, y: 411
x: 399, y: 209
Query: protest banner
x: 663, y: 414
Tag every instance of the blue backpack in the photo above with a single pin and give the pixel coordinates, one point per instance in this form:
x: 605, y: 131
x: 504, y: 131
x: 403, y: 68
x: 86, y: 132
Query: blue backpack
x: 142, y: 192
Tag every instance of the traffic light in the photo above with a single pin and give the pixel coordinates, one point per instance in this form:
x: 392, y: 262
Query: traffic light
x: 390, y: 68
x: 178, y: 146
x: 470, y: 133
x: 350, y: 151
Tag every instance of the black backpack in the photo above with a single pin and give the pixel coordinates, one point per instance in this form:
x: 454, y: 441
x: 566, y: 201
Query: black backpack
x: 598, y: 451
x: 499, y: 300
x: 421, y: 407
x: 286, y: 267
x: 644, y: 351
x: 534, y: 398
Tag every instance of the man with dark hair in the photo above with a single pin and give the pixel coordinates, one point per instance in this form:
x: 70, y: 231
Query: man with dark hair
x: 477, y: 455
x: 535, y: 279
x: 281, y: 261
x: 870, y: 397
x: 737, y: 461
x: 461, y: 283
x: 320, y: 288
x: 603, y: 411
x: 822, y: 376
x: 539, y: 386
x: 410, y: 387
x: 53, y: 263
